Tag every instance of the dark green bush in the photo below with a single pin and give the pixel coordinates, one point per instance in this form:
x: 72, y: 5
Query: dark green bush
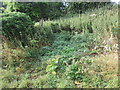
x: 55, y: 28
x: 17, y: 28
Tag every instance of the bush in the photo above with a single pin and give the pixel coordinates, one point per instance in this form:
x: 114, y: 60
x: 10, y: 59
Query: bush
x: 55, y: 27
x: 16, y: 28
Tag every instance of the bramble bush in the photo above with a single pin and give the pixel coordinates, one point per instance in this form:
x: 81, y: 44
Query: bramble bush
x: 16, y: 28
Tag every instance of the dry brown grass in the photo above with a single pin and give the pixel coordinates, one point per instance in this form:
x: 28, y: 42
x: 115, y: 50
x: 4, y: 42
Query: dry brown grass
x: 106, y: 65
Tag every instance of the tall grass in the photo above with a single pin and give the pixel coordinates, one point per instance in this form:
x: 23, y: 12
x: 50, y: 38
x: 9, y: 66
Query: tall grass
x: 102, y: 21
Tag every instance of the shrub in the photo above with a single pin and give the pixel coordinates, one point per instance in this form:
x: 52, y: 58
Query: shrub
x: 44, y: 35
x: 55, y: 27
x: 16, y: 27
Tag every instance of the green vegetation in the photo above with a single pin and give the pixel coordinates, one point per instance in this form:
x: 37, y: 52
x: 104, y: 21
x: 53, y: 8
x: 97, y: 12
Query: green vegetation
x: 75, y: 51
x: 16, y: 28
x: 36, y: 10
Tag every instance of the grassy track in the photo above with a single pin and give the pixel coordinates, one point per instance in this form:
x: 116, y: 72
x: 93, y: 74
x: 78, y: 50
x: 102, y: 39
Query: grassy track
x: 77, y: 59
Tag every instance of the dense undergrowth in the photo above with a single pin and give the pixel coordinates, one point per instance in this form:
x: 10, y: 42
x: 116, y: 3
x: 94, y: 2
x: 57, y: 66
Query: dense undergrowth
x: 76, y: 52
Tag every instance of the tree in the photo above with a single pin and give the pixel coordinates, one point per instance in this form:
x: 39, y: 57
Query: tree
x: 37, y: 10
x: 79, y: 7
